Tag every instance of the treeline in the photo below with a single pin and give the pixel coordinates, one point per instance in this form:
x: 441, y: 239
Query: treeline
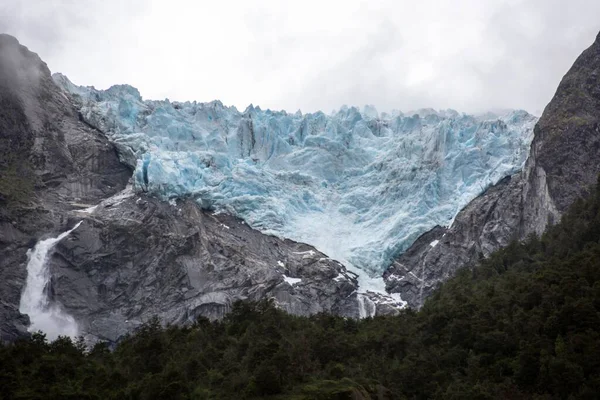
x: 523, y: 325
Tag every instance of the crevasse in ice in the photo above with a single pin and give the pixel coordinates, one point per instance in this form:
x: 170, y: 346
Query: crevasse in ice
x: 358, y: 185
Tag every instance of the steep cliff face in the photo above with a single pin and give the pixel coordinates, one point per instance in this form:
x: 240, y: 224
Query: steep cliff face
x: 488, y: 223
x: 131, y: 257
x: 565, y: 154
x: 564, y: 161
x: 50, y: 161
x: 135, y: 256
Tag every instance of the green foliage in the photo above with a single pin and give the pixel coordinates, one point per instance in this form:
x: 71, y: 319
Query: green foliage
x: 524, y: 324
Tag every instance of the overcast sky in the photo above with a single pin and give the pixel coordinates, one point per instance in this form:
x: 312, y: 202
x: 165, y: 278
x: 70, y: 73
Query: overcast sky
x: 470, y: 55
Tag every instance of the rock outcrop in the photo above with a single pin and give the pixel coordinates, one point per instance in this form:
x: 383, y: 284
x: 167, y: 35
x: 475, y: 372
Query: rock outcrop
x: 50, y: 162
x: 563, y: 163
x: 135, y: 256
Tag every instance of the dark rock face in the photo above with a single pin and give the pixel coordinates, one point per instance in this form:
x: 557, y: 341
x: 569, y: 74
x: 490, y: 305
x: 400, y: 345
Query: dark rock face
x: 486, y: 224
x: 132, y: 257
x: 564, y: 161
x: 565, y: 154
x: 136, y: 257
x: 49, y: 162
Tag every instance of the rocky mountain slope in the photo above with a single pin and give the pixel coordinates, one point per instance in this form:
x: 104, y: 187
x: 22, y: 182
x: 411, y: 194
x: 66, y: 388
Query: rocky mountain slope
x: 563, y: 163
x: 131, y: 257
x: 134, y: 255
x: 358, y: 185
x: 49, y: 162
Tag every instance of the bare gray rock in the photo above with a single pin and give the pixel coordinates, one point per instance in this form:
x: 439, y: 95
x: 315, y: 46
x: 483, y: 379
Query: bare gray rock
x: 50, y: 162
x: 136, y: 257
x: 132, y: 257
x: 563, y: 163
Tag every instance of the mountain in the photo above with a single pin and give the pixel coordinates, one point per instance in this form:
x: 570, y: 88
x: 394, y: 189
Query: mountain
x: 50, y: 160
x: 116, y: 209
x: 522, y: 325
x: 563, y: 163
x: 356, y: 185
x: 108, y: 258
x: 359, y: 186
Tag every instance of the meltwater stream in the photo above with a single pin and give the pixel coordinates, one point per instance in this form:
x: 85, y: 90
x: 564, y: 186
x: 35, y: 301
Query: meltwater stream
x: 45, y: 317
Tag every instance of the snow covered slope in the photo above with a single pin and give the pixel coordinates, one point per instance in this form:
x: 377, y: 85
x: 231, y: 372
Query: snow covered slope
x: 358, y: 185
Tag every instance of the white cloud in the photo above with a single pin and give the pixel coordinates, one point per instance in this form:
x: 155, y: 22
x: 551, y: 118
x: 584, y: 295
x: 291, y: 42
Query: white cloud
x: 465, y: 54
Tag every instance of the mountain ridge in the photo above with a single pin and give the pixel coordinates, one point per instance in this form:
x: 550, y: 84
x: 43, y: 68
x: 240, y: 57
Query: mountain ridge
x: 75, y: 182
x: 561, y: 166
x: 374, y: 182
x: 63, y: 169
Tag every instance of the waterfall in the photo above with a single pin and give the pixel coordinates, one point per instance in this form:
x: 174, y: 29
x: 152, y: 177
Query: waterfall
x: 45, y: 317
x: 366, y: 307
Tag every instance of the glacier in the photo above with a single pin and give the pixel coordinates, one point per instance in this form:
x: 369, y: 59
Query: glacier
x: 358, y: 185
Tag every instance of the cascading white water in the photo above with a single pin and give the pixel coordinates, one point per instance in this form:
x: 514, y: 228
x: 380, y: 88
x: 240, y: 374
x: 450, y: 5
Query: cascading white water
x: 45, y: 317
x: 366, y: 307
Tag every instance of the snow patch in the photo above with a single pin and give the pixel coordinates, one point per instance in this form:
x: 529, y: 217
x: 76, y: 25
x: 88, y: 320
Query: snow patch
x: 394, y: 277
x: 340, y: 277
x: 309, y: 253
x: 291, y: 281
x: 88, y: 210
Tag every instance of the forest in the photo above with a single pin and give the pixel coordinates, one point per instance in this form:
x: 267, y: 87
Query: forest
x: 524, y: 324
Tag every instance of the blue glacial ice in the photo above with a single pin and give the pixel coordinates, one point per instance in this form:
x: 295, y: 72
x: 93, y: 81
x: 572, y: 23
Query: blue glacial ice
x: 358, y: 185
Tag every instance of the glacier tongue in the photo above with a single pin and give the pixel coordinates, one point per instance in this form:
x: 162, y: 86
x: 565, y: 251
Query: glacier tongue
x: 359, y: 186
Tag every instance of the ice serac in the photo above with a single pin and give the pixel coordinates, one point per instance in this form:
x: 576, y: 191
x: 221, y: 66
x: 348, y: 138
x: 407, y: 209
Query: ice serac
x: 132, y: 257
x: 359, y: 186
x: 563, y: 163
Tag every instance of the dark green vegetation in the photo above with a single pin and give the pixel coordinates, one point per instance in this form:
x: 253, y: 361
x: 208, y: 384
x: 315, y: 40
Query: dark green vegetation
x: 522, y: 325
